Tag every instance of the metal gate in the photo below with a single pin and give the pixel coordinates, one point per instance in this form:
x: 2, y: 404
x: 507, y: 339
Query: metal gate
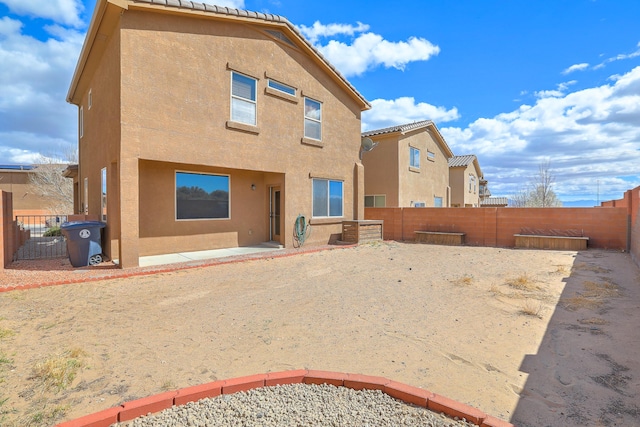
x: 45, y: 239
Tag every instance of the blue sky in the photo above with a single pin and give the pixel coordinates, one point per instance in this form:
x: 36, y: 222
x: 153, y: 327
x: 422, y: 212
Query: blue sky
x: 516, y: 82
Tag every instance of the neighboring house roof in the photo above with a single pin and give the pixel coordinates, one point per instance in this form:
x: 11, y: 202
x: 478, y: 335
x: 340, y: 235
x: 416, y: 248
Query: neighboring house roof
x: 494, y: 201
x: 101, y: 13
x: 464, y: 161
x: 410, y: 127
x: 13, y: 168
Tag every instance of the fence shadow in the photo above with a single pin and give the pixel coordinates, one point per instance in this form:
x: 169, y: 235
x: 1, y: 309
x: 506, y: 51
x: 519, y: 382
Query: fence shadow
x: 587, y: 370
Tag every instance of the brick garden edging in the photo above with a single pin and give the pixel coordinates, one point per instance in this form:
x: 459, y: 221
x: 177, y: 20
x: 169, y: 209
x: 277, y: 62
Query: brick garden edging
x: 406, y: 393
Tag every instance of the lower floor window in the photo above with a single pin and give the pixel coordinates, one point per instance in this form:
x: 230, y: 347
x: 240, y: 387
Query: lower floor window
x: 202, y: 196
x: 375, y: 201
x: 328, y: 198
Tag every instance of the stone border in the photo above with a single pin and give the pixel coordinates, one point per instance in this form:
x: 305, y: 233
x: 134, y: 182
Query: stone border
x: 406, y: 393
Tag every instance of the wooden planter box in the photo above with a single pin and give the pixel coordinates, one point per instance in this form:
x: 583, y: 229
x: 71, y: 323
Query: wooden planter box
x: 362, y: 231
x: 440, y: 238
x: 568, y: 243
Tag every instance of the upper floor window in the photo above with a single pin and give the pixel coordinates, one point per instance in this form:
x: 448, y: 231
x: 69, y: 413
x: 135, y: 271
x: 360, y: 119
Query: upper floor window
x: 414, y: 157
x: 281, y: 87
x: 243, y: 99
x: 437, y: 202
x: 81, y: 122
x: 327, y: 198
x: 376, y: 201
x: 431, y: 156
x: 472, y: 183
x: 312, y: 119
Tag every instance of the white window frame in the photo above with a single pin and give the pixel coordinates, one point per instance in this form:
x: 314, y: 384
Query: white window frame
x: 376, y: 198
x: 276, y: 85
x: 254, y: 102
x: 312, y: 119
x: 328, y: 207
x: 103, y: 194
x: 81, y: 122
x: 412, y: 157
x: 419, y: 204
x: 85, y: 196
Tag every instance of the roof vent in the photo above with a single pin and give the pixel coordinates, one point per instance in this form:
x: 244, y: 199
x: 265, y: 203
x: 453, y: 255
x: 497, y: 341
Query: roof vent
x: 280, y: 36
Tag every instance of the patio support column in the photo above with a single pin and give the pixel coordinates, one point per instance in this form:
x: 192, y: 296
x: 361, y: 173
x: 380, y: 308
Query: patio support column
x: 129, y: 213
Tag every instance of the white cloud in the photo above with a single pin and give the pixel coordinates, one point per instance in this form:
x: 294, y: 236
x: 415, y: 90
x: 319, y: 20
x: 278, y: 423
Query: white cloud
x: 34, y: 78
x: 318, y: 30
x: 235, y: 4
x: 385, y: 113
x: 619, y: 57
x: 591, y: 134
x: 576, y: 67
x: 367, y: 50
x: 62, y: 11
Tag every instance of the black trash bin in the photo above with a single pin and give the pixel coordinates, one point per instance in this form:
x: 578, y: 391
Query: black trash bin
x: 84, y: 242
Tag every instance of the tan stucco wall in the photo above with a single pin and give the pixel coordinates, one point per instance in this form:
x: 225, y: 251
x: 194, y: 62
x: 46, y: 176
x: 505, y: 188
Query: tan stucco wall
x: 387, y: 170
x: 460, y: 194
x: 99, y: 146
x: 25, y: 200
x: 169, y: 104
x: 381, y: 170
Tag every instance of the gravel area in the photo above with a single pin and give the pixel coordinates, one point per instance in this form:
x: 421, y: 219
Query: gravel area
x: 297, y: 405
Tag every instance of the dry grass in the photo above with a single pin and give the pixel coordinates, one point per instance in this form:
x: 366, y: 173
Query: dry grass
x: 464, y: 281
x: 580, y: 301
x: 532, y: 309
x: 57, y: 372
x: 600, y: 290
x: 523, y: 283
x: 5, y: 333
x: 561, y: 270
x: 593, y: 321
x: 590, y: 267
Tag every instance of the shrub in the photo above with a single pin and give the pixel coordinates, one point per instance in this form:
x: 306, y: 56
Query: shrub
x: 53, y: 231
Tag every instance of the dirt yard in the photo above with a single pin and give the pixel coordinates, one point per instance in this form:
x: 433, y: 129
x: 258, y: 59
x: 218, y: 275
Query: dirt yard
x: 539, y: 338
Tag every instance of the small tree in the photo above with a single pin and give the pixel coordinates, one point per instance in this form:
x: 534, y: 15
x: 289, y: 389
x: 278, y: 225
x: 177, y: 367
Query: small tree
x: 539, y: 193
x: 48, y: 182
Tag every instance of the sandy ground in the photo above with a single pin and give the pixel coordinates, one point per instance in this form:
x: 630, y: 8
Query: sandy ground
x: 540, y: 338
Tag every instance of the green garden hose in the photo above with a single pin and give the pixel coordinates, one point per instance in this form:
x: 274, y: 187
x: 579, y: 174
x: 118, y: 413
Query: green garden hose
x: 301, y: 231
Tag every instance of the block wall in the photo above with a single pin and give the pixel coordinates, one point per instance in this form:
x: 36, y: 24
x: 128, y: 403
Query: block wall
x: 605, y: 227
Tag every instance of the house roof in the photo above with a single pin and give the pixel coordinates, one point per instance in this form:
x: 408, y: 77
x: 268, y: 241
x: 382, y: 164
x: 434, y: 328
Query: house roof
x: 494, y: 201
x: 464, y: 161
x: 104, y: 16
x: 410, y: 127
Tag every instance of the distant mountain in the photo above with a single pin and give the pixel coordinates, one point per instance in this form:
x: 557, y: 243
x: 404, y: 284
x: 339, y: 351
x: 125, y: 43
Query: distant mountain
x: 580, y: 204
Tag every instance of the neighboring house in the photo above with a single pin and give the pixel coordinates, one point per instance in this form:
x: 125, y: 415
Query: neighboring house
x: 465, y: 177
x: 485, y: 193
x: 27, y: 200
x: 408, y: 167
x: 494, y: 202
x: 204, y: 127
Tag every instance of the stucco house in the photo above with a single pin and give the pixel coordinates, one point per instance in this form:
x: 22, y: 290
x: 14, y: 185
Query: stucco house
x: 204, y: 127
x: 27, y: 198
x: 408, y: 167
x: 467, y: 183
